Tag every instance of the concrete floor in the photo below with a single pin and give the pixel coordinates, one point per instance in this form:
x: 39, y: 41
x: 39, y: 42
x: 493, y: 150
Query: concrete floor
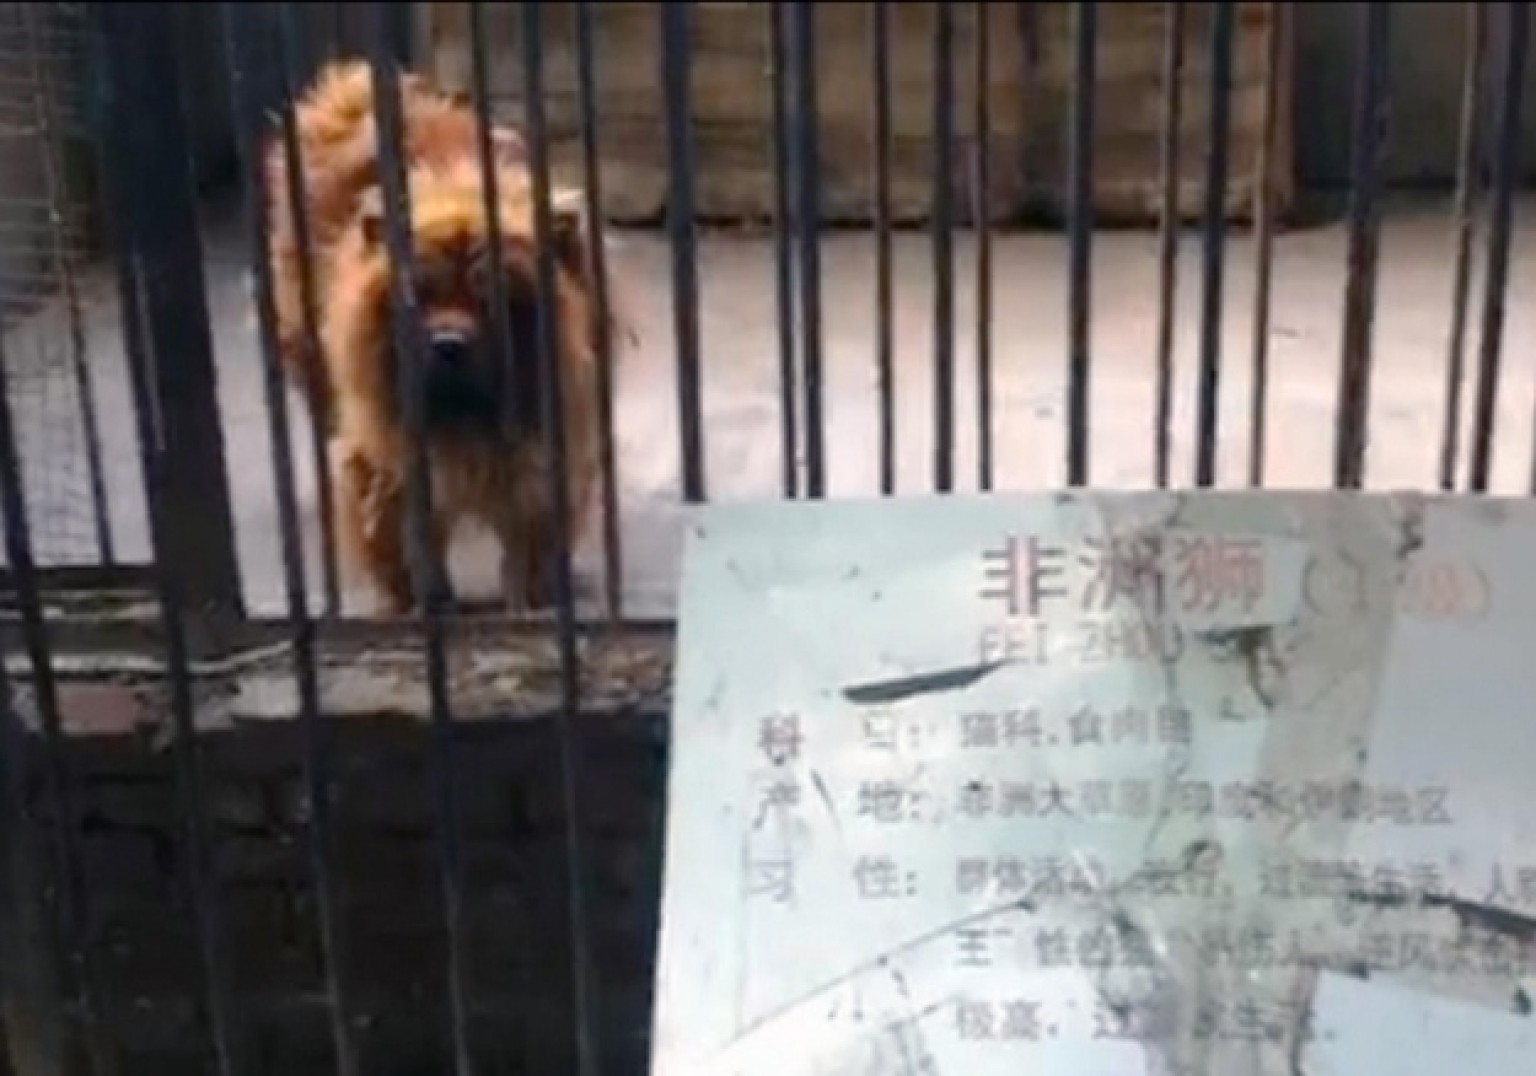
x: 739, y: 344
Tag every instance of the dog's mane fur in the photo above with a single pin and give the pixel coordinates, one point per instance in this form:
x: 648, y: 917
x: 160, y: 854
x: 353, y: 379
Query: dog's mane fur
x: 351, y: 384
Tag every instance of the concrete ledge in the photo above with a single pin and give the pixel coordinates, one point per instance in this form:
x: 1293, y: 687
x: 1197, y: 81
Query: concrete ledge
x: 496, y: 669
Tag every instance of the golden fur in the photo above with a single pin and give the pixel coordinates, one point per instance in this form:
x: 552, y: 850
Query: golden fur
x: 496, y: 477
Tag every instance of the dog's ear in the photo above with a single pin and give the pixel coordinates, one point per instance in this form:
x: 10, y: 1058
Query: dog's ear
x: 370, y: 217
x: 568, y: 238
x: 507, y: 146
x: 572, y: 245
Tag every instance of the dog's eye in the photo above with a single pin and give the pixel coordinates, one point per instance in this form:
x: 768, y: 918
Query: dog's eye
x: 525, y: 326
x: 434, y: 282
x: 477, y: 276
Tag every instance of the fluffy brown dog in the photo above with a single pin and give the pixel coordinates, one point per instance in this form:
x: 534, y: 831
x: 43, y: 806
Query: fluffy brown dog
x: 487, y: 456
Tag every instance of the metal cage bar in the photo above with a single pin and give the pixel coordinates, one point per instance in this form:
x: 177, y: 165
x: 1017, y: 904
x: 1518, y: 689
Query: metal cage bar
x: 295, y: 61
x: 158, y: 204
x: 676, y: 77
x: 572, y: 832
x: 428, y: 577
x: 1506, y: 170
x: 943, y: 240
x: 602, y: 302
x: 1364, y: 247
x: 75, y: 959
x: 165, y: 332
x: 1275, y: 45
x: 807, y: 171
x: 1080, y: 238
x: 1464, y: 209
x: 783, y: 252
x: 1168, y: 228
x: 885, y: 337
x: 981, y: 218
x: 255, y: 60
x: 1214, y: 236
x: 516, y: 412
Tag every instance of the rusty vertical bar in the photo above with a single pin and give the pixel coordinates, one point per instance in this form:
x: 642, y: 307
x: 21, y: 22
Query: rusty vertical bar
x: 676, y: 79
x: 1506, y: 174
x: 807, y: 157
x: 45, y: 113
x: 943, y: 249
x: 1168, y: 228
x: 293, y: 79
x: 982, y: 222
x: 1275, y: 42
x: 885, y: 340
x: 254, y: 63
x: 783, y: 252
x: 1080, y: 238
x: 146, y: 180
x: 428, y: 576
x: 1214, y: 228
x: 1464, y: 214
x: 1370, y: 125
x: 602, y: 305
x: 587, y: 1063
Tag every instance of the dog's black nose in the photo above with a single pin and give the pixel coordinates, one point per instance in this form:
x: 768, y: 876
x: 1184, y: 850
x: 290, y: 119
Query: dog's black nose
x: 449, y: 349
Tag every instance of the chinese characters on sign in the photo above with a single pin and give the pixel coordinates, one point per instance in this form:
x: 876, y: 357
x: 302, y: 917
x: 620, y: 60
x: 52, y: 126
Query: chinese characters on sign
x: 1037, y: 577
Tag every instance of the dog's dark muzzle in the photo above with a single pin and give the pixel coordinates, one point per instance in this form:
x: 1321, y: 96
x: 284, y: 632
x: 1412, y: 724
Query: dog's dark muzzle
x: 450, y: 351
x: 459, y: 384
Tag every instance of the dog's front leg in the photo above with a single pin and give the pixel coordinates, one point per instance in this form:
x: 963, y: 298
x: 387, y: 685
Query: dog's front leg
x: 527, y: 569
x: 512, y: 574
x: 372, y: 517
x: 369, y: 518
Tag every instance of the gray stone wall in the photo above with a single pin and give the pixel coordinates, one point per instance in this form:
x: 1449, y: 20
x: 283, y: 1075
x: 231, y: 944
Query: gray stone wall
x: 386, y: 870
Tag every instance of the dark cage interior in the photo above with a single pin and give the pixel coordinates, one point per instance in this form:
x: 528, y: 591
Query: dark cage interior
x: 362, y: 364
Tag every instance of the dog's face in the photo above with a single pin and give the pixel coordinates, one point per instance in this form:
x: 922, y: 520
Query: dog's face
x: 467, y: 383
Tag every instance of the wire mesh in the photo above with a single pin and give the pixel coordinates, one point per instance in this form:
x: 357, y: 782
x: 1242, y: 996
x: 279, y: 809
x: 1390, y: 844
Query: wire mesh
x: 45, y: 247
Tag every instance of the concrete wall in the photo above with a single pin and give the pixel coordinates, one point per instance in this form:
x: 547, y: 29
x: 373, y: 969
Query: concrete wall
x: 1028, y: 96
x: 1426, y: 71
x: 1428, y: 45
x: 1427, y: 61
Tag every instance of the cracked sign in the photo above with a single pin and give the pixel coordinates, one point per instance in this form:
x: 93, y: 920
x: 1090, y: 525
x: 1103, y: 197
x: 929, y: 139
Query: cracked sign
x: 1098, y: 784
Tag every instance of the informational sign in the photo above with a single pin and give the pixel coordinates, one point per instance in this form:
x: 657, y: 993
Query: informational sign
x: 1095, y: 785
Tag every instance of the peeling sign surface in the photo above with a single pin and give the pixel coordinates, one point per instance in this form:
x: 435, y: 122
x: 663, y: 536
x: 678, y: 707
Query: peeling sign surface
x: 1099, y: 785
x: 1373, y: 1027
